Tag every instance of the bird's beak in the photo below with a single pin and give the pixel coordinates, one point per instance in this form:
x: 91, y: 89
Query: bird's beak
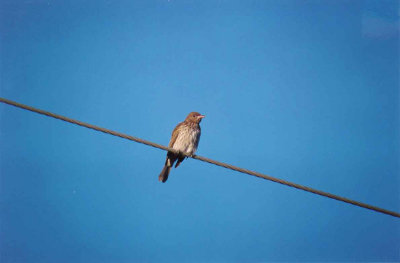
x: 201, y: 116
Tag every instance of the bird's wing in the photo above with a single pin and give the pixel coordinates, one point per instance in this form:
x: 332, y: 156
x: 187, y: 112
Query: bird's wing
x: 196, y: 142
x: 174, y: 135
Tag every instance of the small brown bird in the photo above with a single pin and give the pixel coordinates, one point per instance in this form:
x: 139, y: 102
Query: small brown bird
x: 185, y: 138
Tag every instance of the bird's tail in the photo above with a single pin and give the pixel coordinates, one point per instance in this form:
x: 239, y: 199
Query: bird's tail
x: 164, y: 174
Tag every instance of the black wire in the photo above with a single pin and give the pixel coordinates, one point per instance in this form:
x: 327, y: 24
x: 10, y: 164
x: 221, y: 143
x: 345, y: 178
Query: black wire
x: 204, y: 159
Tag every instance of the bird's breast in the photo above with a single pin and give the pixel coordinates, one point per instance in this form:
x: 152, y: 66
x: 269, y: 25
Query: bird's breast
x: 187, y: 140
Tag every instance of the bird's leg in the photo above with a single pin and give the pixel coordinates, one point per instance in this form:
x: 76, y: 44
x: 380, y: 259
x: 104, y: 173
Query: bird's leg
x: 181, y: 156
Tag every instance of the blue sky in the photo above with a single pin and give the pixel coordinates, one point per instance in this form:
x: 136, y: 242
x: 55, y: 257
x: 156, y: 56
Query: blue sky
x: 307, y: 91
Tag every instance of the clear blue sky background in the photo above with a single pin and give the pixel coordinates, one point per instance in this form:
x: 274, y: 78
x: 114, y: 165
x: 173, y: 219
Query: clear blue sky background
x: 307, y: 91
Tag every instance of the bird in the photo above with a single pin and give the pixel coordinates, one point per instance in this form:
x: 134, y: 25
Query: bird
x: 185, y: 139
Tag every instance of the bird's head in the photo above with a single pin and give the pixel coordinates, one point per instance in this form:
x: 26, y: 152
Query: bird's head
x: 195, y: 117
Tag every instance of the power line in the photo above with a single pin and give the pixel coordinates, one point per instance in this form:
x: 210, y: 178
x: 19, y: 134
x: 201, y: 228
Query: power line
x: 204, y: 159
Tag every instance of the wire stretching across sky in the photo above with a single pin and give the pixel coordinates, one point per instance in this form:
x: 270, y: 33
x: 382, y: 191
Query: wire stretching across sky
x: 204, y: 159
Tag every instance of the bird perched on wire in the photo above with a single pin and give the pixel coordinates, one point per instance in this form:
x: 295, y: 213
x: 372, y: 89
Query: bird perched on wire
x: 185, y: 139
